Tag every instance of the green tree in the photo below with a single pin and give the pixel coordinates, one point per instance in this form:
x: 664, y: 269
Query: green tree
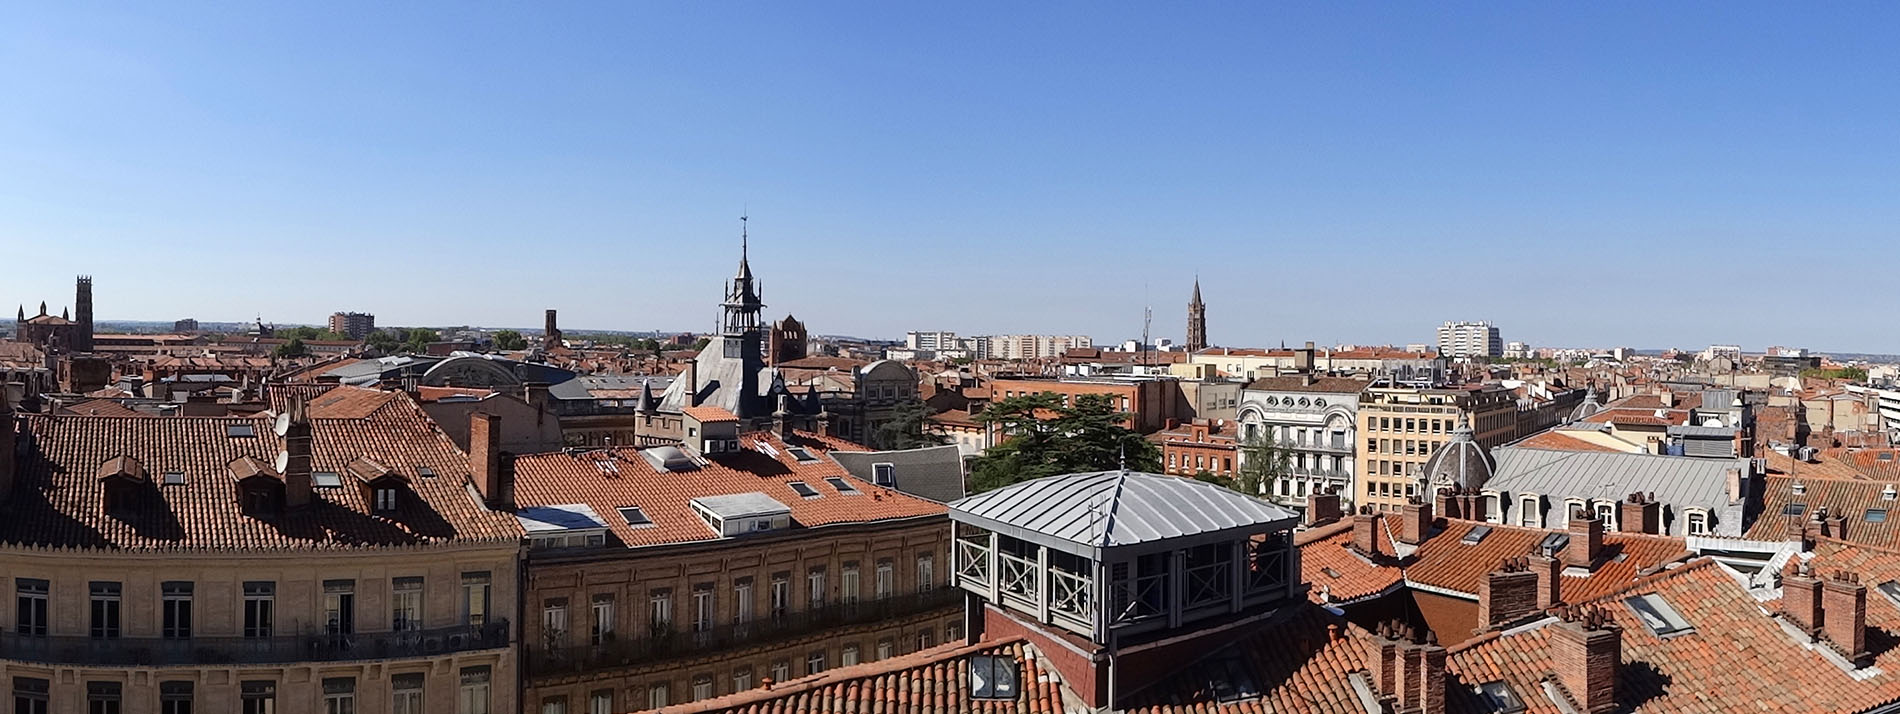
x: 384, y: 342
x: 1851, y: 374
x: 417, y: 339
x: 906, y: 429
x: 510, y: 340
x: 1045, y: 437
x: 1261, y: 461
x: 293, y: 348
x: 701, y: 343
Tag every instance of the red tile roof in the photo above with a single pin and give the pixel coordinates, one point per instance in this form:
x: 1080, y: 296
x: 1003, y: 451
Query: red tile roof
x: 709, y: 415
x: 610, y: 479
x: 1840, y: 497
x: 1555, y: 440
x: 1296, y: 383
x: 99, y: 407
x: 933, y: 681
x: 1336, y: 574
x: 436, y: 394
x: 1297, y: 663
x: 58, y: 500
x: 1640, y: 417
x: 1445, y: 561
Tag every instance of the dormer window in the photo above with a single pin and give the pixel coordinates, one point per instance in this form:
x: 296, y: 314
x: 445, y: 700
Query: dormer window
x: 387, y: 498
x: 884, y: 475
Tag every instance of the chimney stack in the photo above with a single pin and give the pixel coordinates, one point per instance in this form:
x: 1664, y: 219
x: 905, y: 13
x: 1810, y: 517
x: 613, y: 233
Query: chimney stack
x: 1365, y: 537
x: 1415, y: 522
x: 1801, y: 600
x: 1384, y: 658
x: 692, y: 382
x: 485, y: 460
x: 1640, y: 513
x: 1322, y: 507
x: 1446, y: 502
x: 1586, y: 540
x: 1507, y: 594
x: 1549, y: 570
x: 1586, y: 649
x: 782, y: 418
x: 297, y: 454
x: 535, y: 394
x: 1844, y: 602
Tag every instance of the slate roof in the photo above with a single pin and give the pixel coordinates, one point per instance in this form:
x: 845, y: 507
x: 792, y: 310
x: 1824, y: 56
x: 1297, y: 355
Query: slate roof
x: 1114, y: 508
x: 1678, y: 481
x: 59, y: 501
x: 932, y: 472
x: 611, y: 479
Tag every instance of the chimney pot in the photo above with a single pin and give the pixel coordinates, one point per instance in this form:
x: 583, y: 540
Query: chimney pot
x: 1586, y: 540
x: 1365, y: 526
x: 1844, y: 604
x: 1587, y: 649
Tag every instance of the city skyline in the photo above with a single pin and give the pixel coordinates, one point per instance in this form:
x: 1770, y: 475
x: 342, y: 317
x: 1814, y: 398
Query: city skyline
x: 1569, y: 168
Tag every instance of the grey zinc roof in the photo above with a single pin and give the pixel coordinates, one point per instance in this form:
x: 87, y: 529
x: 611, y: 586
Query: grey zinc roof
x: 1107, y: 509
x: 1679, y: 481
x: 1705, y: 432
x: 741, y: 505
x: 1718, y: 399
x: 933, y: 472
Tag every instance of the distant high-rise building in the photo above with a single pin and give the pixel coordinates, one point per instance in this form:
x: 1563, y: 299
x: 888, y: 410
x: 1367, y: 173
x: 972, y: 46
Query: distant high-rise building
x: 1469, y: 339
x: 934, y: 340
x: 1197, y: 321
x: 185, y: 326
x: 354, y: 325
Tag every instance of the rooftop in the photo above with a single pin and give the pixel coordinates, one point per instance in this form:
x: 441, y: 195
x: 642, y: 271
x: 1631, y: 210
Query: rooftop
x: 1106, y: 509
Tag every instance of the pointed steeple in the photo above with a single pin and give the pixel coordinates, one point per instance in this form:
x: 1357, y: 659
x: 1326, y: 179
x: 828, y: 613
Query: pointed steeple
x: 1196, y: 320
x: 1197, y: 292
x: 65, y: 314
x: 745, y: 246
x: 22, y: 317
x: 42, y: 307
x: 647, y: 403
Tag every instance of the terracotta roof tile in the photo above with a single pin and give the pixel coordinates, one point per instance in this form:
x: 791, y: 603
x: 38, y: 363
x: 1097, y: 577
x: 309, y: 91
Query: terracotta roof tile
x: 1336, y: 574
x: 1445, y: 561
x: 610, y: 479
x: 933, y: 681
x: 1558, y: 441
x: 709, y: 415
x: 99, y: 407
x: 1849, y: 498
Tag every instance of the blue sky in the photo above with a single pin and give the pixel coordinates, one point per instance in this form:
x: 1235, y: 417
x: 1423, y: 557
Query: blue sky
x: 1647, y: 174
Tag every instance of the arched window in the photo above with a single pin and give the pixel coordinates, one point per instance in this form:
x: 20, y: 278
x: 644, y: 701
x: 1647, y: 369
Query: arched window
x: 1493, y: 507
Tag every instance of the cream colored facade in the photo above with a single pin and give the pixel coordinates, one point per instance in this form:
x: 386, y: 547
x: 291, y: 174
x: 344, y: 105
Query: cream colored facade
x: 1400, y: 428
x: 731, y: 647
x: 79, y: 665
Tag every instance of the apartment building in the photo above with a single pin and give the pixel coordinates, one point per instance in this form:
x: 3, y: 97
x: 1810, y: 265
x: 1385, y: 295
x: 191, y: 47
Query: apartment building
x: 1469, y: 339
x: 679, y: 573
x: 1202, y: 445
x: 1314, y: 420
x: 306, y: 563
x: 1400, y: 427
x: 354, y: 325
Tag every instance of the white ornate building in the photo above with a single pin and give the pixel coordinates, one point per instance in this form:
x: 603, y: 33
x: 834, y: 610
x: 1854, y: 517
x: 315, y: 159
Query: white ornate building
x: 1313, y: 419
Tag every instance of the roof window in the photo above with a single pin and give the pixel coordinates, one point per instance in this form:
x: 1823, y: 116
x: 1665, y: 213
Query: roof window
x: 994, y: 677
x: 1477, y: 534
x: 1499, y: 696
x: 607, y: 466
x: 884, y: 475
x: 1890, y: 589
x: 844, y: 488
x: 1656, y: 614
x: 1553, y: 543
x: 327, y: 479
x: 803, y: 454
x: 425, y: 472
x: 240, y: 431
x: 1229, y: 678
x: 1876, y: 515
x: 1794, y: 509
x: 636, y: 517
x: 1884, y: 456
x: 803, y: 489
x: 174, y: 477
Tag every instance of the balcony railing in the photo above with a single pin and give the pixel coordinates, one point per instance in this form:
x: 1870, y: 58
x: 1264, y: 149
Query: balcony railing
x: 620, y: 650
x: 320, y: 647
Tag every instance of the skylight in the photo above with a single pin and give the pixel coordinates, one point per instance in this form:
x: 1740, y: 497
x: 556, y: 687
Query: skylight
x: 844, y: 488
x: 994, y: 677
x: 1230, y: 679
x: 1794, y: 509
x: 1476, y: 534
x: 803, y: 489
x: 1500, y: 696
x: 636, y: 517
x: 1884, y: 456
x: 174, y: 478
x: 802, y: 454
x: 425, y: 472
x: 1656, y: 614
x: 1876, y: 515
x: 1554, y: 543
x: 240, y: 431
x: 1890, y: 589
x: 327, y: 479
x: 883, y: 474
x: 607, y: 466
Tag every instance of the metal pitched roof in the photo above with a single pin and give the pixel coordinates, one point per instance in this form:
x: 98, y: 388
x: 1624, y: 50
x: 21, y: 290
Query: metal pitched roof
x: 1679, y: 481
x: 1107, y: 509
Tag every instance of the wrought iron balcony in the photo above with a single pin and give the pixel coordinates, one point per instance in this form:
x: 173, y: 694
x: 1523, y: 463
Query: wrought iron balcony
x: 319, y: 647
x: 620, y: 650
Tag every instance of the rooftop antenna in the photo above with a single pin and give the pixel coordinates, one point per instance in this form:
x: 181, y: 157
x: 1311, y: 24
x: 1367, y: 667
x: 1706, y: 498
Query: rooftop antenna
x: 1122, y: 456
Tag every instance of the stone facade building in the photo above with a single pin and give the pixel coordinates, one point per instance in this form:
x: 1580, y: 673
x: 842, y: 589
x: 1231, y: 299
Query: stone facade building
x: 63, y: 333
x: 1315, y: 420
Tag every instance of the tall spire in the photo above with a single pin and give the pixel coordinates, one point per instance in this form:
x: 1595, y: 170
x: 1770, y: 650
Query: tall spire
x: 1196, y: 320
x: 742, y: 306
x: 745, y: 247
x: 1197, y: 291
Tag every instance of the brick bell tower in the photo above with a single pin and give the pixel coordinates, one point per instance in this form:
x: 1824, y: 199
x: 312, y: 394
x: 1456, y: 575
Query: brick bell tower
x: 1197, y: 320
x: 82, y: 314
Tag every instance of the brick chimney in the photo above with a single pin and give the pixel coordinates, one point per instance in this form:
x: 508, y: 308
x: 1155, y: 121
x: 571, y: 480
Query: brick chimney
x: 1507, y: 594
x: 1797, y: 532
x: 1640, y: 513
x: 691, y: 375
x: 1430, y: 678
x: 1549, y: 570
x: 1475, y: 505
x: 1735, y: 485
x: 1586, y: 540
x: 1365, y: 536
x: 1322, y: 507
x: 1383, y: 657
x: 1844, y: 602
x: 297, y: 454
x: 1408, y: 671
x: 485, y: 460
x: 1801, y: 600
x: 1446, y: 502
x: 1415, y: 522
x: 1586, y: 649
x: 535, y: 394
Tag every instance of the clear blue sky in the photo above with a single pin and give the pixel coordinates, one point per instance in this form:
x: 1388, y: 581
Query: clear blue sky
x: 1647, y: 174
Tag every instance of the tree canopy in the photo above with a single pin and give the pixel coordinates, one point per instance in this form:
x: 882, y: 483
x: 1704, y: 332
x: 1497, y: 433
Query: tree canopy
x: 293, y: 348
x: 1262, y: 460
x: 304, y: 332
x: 1045, y: 437
x: 510, y: 340
x: 906, y: 429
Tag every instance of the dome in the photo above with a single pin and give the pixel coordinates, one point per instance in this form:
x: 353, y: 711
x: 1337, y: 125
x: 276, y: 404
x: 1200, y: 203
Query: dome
x: 1460, y: 463
x: 1588, y: 407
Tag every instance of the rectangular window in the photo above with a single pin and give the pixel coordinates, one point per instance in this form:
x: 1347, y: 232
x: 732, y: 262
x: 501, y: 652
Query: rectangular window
x: 105, y: 610
x: 475, y: 598
x: 406, y: 693
x: 815, y: 588
x: 406, y: 604
x: 660, y: 611
x: 554, y: 705
x: 848, y: 655
x: 742, y: 600
x: 781, y: 671
x: 339, y: 606
x: 258, y: 598
x: 848, y: 584
x: 815, y: 662
x: 473, y: 697
x: 926, y: 572
x: 885, y: 581
x: 603, y: 628
x: 926, y: 639
x: 174, y: 697
x: 554, y: 622
x: 175, y: 601
x: 703, y: 607
x: 742, y: 679
x: 103, y: 697
x: 781, y: 595
x: 656, y: 696
x: 30, y: 695
x: 258, y: 697
x: 702, y: 687
x: 601, y: 701
x: 30, y: 616
x: 339, y: 695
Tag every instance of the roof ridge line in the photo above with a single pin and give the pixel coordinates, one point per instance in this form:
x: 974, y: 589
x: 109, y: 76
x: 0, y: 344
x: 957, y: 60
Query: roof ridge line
x: 1114, y: 507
